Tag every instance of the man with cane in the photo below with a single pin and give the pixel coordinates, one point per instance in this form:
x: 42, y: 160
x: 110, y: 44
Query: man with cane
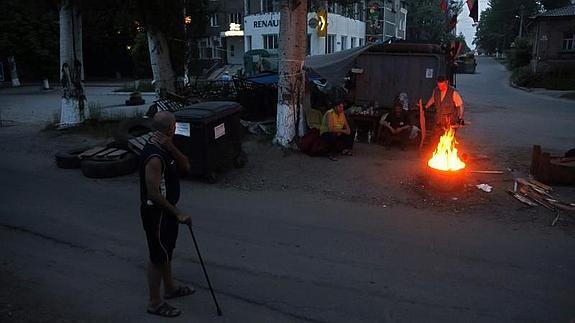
x: 160, y: 166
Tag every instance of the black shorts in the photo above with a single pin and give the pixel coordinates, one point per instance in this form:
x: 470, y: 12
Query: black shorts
x: 161, y: 233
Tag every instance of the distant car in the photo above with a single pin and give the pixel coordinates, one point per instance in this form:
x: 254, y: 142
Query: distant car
x: 466, y: 63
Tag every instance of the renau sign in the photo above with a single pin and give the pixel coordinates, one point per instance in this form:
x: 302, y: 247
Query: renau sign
x: 266, y: 23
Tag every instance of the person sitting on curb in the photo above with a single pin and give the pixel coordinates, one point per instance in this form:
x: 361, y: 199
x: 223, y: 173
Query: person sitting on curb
x: 336, y: 132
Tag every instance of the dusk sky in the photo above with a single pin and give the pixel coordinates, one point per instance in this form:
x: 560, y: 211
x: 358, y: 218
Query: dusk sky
x: 464, y: 25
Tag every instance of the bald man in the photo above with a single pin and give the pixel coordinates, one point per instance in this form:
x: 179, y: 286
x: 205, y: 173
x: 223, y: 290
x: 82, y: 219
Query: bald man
x: 160, y: 166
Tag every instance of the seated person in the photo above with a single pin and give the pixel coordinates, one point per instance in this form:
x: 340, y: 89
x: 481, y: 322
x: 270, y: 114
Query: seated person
x: 396, y: 127
x: 336, y: 132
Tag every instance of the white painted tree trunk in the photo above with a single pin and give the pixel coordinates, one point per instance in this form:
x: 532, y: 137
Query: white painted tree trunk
x: 164, y: 77
x: 291, y: 54
x: 13, y: 72
x: 71, y: 65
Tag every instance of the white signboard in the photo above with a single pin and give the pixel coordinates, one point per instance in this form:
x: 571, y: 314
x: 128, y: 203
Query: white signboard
x: 429, y: 73
x: 182, y: 129
x: 219, y: 131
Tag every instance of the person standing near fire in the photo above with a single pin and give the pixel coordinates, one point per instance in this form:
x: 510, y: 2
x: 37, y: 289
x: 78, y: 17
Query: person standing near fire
x: 448, y: 106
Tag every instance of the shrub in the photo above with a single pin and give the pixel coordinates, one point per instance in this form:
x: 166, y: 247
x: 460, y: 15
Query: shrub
x: 523, y: 76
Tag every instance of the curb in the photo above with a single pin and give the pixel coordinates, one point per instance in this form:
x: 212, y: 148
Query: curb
x: 513, y: 85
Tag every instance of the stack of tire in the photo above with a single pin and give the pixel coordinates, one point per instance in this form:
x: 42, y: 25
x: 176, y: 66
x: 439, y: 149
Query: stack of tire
x: 93, y: 168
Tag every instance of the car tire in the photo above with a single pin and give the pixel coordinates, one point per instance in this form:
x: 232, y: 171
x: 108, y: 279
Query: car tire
x: 127, y: 164
x: 69, y: 159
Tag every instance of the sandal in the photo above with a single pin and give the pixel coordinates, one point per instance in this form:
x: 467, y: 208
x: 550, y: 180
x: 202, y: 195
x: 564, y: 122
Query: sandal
x: 332, y: 158
x: 165, y: 310
x: 347, y: 152
x: 181, y: 291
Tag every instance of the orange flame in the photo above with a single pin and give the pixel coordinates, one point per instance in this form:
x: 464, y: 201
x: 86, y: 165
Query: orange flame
x: 445, y: 155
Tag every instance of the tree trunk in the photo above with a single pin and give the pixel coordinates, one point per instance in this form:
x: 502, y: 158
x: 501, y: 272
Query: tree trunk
x: 71, y: 65
x: 164, y: 78
x: 291, y: 54
x: 13, y: 71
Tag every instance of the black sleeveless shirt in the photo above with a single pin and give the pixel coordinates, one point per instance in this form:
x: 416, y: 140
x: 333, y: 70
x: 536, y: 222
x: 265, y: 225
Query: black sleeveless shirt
x: 170, y: 181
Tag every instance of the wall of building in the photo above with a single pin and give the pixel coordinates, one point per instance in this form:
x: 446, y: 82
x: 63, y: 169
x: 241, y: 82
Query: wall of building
x: 547, y: 38
x: 258, y: 25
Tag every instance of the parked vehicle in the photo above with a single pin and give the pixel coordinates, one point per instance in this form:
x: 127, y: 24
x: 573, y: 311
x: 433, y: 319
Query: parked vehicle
x: 466, y: 63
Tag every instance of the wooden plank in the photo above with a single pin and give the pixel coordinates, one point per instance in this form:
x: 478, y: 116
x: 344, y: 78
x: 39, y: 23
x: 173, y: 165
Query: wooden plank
x: 496, y: 172
x: 422, y: 124
x: 117, y: 153
x: 136, y: 143
x: 522, y: 198
x: 543, y: 186
x: 105, y: 152
x: 142, y: 141
x: 91, y: 152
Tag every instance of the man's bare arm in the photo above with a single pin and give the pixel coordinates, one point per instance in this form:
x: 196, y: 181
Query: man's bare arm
x: 153, y: 179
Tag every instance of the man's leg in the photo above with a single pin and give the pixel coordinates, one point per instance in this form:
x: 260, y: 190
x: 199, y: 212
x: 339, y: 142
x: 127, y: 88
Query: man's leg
x: 169, y: 284
x: 154, y: 281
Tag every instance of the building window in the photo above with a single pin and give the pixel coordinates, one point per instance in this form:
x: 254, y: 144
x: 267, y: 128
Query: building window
x: 235, y: 18
x: 330, y: 48
x: 248, y: 43
x: 270, y: 41
x: 343, y: 42
x: 204, y: 49
x: 308, y: 45
x: 214, y: 20
x: 353, y: 42
x: 360, y: 42
x: 568, y: 42
x: 267, y: 6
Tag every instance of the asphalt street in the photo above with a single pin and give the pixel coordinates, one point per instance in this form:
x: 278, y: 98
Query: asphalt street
x: 73, y: 248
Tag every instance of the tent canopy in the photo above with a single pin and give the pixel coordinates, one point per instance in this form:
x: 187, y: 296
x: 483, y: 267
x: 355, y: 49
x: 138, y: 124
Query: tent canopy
x: 334, y: 67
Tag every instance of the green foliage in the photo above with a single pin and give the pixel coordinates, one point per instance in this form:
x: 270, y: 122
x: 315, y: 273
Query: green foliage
x: 427, y: 23
x: 520, y: 53
x: 523, y: 76
x: 499, y: 24
x: 555, y: 78
x: 29, y: 32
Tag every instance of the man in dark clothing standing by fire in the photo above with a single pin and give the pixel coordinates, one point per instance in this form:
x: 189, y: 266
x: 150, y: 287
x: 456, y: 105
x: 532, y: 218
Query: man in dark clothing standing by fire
x: 160, y: 165
x: 448, y: 106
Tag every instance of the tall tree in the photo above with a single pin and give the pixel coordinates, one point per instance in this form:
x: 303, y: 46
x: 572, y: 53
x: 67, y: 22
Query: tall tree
x: 71, y: 64
x: 29, y: 37
x: 427, y: 22
x: 163, y: 18
x: 291, y: 54
x: 500, y: 23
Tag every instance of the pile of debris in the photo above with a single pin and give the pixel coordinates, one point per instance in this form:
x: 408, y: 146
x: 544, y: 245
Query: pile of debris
x: 533, y: 193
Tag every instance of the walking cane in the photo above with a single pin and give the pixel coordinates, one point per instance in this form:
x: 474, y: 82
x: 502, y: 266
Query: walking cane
x: 219, y: 311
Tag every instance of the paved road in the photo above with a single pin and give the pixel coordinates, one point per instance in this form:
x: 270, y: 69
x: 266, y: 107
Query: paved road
x: 73, y: 250
x: 511, y: 117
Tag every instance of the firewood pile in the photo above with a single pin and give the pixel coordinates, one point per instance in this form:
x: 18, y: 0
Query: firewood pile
x: 534, y: 193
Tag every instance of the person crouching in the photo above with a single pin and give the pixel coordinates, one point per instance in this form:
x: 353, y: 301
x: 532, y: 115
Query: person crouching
x: 336, y: 132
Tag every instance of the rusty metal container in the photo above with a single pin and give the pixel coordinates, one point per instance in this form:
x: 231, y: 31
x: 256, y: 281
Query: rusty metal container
x: 445, y: 181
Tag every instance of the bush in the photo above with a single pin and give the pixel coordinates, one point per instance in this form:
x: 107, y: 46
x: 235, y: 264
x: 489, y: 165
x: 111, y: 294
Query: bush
x: 523, y: 76
x: 520, y: 54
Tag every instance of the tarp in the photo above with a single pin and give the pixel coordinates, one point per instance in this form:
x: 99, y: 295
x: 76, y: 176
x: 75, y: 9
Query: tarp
x: 334, y: 67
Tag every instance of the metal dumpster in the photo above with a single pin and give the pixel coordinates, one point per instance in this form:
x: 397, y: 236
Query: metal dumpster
x: 209, y: 134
